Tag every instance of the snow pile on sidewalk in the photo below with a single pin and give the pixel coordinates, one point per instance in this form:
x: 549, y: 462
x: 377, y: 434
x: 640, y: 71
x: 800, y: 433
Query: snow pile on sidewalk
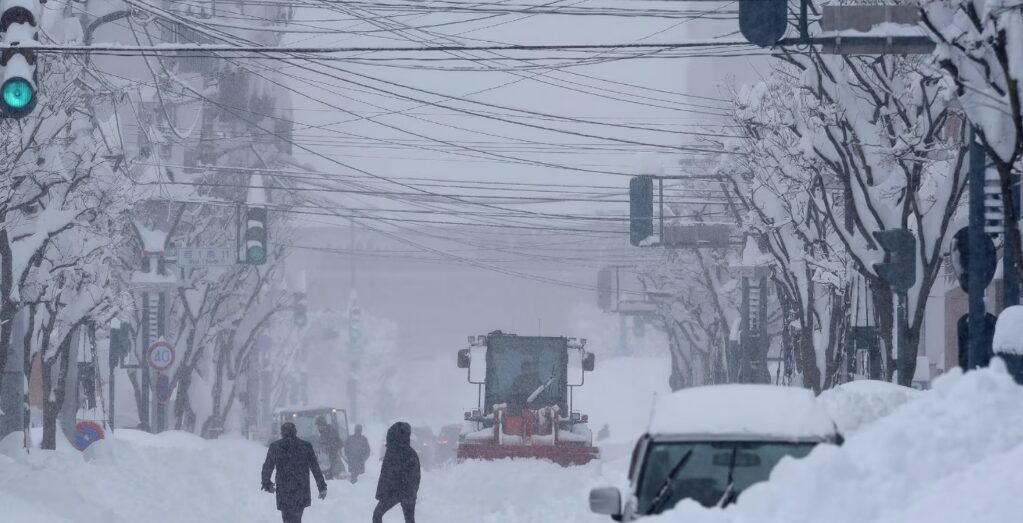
x: 954, y: 454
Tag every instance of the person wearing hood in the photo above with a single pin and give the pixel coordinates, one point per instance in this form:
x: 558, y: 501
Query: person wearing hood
x: 357, y: 452
x: 399, y: 474
x: 293, y: 459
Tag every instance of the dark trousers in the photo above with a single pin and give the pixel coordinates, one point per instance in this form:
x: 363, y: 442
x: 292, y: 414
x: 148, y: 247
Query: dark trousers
x: 292, y: 515
x: 408, y: 508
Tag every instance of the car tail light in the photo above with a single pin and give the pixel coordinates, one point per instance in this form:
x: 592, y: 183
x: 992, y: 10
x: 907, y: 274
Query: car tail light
x: 442, y: 442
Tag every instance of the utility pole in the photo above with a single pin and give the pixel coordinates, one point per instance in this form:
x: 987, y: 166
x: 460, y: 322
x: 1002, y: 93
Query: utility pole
x: 979, y: 351
x: 354, y: 328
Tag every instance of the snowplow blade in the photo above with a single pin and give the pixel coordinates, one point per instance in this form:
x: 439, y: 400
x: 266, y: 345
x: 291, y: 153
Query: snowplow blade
x: 564, y: 455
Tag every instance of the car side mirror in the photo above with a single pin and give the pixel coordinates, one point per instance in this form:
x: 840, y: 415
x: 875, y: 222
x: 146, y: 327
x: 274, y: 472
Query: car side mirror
x: 463, y: 359
x: 606, y: 501
x: 589, y: 362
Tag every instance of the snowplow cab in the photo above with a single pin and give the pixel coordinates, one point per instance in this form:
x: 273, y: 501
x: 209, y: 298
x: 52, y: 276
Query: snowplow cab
x: 526, y: 401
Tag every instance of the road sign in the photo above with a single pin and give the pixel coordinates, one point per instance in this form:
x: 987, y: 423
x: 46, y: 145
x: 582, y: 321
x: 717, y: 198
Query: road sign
x: 87, y: 433
x: 163, y: 388
x: 206, y: 256
x: 160, y: 355
x: 960, y: 258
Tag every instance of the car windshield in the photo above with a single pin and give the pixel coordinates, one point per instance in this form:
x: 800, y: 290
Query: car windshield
x: 706, y: 475
x: 518, y: 367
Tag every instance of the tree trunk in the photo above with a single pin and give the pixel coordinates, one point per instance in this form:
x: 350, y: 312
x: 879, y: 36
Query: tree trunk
x: 7, y: 307
x: 55, y: 393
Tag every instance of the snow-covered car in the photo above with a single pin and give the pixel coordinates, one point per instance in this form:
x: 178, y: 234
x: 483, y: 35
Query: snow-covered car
x: 710, y: 443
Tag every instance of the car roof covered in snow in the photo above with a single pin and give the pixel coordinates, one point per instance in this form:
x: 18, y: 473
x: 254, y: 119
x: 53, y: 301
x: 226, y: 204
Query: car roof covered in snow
x: 741, y: 412
x: 307, y: 408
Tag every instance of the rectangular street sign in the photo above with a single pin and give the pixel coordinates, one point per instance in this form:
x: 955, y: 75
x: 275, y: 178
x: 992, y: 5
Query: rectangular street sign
x: 206, y: 256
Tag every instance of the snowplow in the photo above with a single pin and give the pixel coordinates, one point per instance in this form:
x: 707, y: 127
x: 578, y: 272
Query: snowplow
x: 525, y: 399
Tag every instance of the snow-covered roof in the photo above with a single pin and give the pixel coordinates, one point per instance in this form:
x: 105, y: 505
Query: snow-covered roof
x: 740, y: 411
x: 303, y: 408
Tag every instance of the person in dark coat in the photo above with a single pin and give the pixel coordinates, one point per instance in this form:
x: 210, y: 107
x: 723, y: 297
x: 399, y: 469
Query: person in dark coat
x: 293, y: 459
x: 331, y: 443
x: 399, y: 474
x: 357, y: 452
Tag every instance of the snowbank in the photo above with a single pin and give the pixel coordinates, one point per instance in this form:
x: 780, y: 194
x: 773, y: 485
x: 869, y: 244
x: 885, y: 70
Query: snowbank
x: 1009, y: 331
x: 855, y: 404
x: 178, y: 478
x: 951, y: 455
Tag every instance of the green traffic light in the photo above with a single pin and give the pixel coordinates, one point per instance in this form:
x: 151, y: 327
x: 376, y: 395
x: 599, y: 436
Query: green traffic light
x: 256, y: 254
x: 17, y: 93
x: 300, y: 320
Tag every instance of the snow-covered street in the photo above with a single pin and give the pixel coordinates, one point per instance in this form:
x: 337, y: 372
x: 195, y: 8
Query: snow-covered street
x: 177, y: 477
x: 948, y: 455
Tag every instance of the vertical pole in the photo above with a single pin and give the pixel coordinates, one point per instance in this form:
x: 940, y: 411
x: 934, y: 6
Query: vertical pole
x: 351, y: 251
x: 977, y: 352
x: 903, y: 358
x: 1010, y: 280
x: 742, y: 374
x: 660, y: 199
x: 113, y: 368
x: 144, y: 360
x: 161, y: 407
x: 623, y: 337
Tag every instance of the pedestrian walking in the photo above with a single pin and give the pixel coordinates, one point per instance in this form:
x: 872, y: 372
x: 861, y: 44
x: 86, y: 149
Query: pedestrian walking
x: 399, y: 475
x: 293, y: 459
x: 330, y: 442
x: 357, y: 452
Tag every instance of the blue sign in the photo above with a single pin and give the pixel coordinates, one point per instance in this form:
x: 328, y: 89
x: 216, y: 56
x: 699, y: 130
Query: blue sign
x: 163, y: 388
x: 87, y: 433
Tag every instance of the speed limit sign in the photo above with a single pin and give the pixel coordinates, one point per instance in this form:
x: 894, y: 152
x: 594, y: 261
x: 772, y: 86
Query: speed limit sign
x: 160, y: 355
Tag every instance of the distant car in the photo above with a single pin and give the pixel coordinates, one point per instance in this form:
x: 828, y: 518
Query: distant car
x: 711, y: 443
x: 447, y: 445
x: 304, y: 419
x: 424, y: 442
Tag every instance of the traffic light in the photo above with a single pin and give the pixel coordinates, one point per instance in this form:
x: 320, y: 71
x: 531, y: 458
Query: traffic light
x: 299, y: 310
x: 255, y: 235
x: 763, y: 22
x: 899, y: 267
x: 641, y: 209
x: 19, y: 27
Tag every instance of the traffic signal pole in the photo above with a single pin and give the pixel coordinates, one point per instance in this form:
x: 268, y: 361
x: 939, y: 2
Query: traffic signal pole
x: 977, y: 356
